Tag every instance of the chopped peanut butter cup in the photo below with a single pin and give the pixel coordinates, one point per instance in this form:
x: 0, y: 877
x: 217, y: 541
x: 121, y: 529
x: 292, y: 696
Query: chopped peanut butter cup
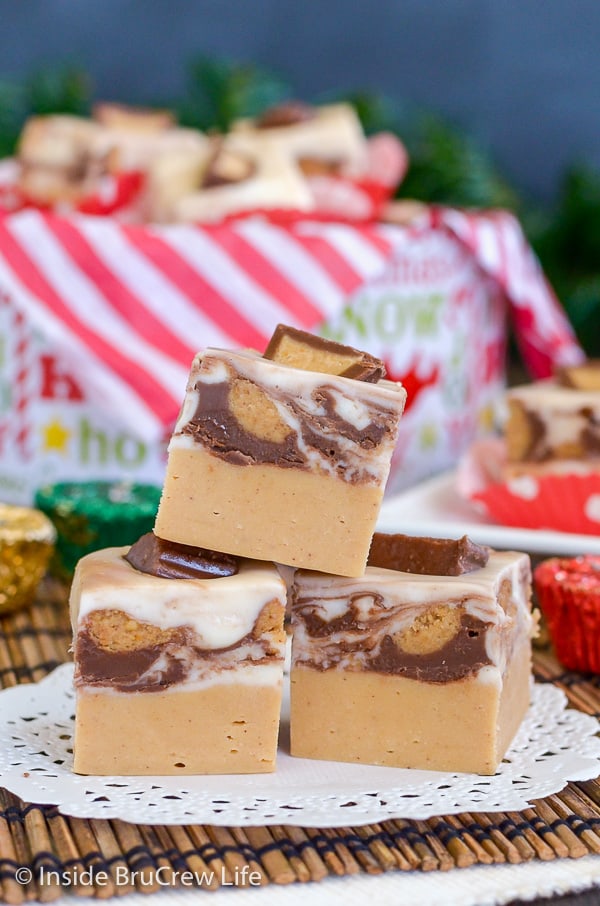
x: 300, y: 349
x: 427, y: 556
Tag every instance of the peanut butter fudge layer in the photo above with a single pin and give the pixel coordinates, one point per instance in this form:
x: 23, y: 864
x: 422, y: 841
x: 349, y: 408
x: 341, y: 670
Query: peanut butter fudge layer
x: 554, y: 425
x: 270, y: 460
x: 176, y: 675
x: 411, y: 670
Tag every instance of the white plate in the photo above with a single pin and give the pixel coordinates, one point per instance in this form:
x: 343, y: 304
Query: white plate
x: 554, y: 744
x: 434, y: 508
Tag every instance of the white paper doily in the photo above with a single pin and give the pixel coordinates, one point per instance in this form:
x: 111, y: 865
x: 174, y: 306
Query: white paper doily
x: 553, y: 745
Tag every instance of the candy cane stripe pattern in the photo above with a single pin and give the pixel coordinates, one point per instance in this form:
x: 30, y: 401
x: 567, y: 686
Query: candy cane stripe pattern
x: 132, y: 304
x: 21, y: 388
x: 17, y: 428
x: 543, y: 333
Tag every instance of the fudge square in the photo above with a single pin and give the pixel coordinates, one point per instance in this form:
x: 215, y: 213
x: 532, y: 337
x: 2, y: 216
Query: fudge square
x: 284, y: 456
x: 178, y: 661
x: 413, y: 670
x: 553, y: 425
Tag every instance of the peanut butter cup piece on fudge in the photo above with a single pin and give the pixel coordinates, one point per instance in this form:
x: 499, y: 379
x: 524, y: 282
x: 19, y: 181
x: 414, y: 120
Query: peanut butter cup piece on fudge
x: 156, y: 557
x: 178, y: 661
x: 410, y: 669
x: 300, y: 349
x: 282, y: 457
x: 427, y: 556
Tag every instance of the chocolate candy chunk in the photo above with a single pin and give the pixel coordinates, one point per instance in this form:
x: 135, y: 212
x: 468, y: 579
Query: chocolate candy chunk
x: 580, y: 377
x: 299, y: 349
x: 168, y: 560
x: 427, y: 556
x: 288, y: 113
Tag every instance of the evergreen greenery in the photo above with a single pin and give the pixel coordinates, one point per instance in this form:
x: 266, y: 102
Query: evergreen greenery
x: 447, y: 165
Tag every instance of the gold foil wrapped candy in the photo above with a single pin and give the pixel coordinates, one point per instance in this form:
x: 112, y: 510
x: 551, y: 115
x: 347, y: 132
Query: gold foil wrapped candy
x: 26, y: 542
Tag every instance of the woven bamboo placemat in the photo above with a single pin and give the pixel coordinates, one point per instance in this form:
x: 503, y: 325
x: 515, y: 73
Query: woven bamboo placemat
x: 126, y: 856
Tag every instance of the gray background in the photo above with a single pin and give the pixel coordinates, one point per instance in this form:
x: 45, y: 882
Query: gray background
x: 522, y: 75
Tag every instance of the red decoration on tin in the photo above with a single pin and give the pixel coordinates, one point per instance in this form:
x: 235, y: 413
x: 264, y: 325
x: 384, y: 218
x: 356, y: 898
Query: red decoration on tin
x: 568, y: 591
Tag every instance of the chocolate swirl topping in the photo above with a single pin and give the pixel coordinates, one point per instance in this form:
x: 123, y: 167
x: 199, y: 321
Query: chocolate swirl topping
x: 216, y: 426
x: 462, y: 655
x: 154, y: 667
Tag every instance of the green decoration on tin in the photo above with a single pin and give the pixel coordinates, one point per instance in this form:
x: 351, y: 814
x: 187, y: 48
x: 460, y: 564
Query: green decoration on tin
x: 92, y: 515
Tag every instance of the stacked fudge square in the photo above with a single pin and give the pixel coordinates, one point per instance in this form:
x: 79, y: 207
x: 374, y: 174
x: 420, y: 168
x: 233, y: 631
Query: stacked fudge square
x: 424, y: 661
x: 553, y: 425
x: 419, y: 659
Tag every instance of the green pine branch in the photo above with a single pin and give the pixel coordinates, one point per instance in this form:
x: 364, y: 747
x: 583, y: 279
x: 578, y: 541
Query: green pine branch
x: 221, y: 91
